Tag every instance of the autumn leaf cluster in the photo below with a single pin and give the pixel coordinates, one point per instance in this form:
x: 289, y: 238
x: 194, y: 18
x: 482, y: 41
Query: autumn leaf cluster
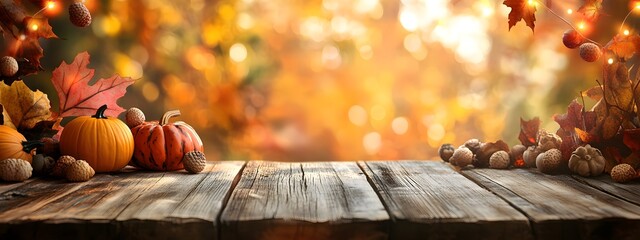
x: 612, y: 124
x: 30, y: 111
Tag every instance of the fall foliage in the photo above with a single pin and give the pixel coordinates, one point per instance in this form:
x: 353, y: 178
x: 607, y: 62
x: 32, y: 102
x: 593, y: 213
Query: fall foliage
x: 612, y: 123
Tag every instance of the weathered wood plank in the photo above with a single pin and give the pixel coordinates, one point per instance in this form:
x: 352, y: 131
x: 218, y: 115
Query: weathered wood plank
x: 428, y: 199
x: 322, y: 200
x: 6, y: 186
x: 133, y: 205
x: 627, y: 191
x: 559, y: 207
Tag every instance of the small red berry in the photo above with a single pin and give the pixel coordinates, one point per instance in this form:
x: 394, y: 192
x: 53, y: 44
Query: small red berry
x: 572, y: 39
x: 590, y: 52
x: 79, y: 14
x: 8, y: 66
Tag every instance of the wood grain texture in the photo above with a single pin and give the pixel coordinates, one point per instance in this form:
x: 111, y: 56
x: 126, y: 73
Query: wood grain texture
x: 321, y: 200
x: 628, y: 191
x: 559, y: 207
x: 130, y: 205
x: 428, y: 199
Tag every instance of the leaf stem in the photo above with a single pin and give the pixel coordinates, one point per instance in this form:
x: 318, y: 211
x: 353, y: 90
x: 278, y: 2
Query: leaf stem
x: 568, y: 23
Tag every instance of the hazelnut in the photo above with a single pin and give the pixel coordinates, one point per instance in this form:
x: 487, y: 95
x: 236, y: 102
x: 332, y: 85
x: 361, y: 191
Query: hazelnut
x: 530, y: 156
x: 461, y: 157
x: 473, y: 144
x: 499, y: 160
x: 446, y: 151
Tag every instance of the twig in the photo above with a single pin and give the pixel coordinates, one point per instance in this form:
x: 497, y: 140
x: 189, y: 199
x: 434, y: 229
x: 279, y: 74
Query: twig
x: 568, y: 23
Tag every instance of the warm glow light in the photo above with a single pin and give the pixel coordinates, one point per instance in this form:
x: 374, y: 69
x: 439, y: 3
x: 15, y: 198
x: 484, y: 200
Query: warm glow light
x: 610, y: 61
x: 582, y: 26
x: 372, y: 142
x: 400, y: 125
x: 626, y: 32
x: 436, y: 132
x: 51, y: 4
x: 238, y: 52
x: 358, y: 115
x: 34, y: 27
x: 532, y: 2
x: 569, y: 11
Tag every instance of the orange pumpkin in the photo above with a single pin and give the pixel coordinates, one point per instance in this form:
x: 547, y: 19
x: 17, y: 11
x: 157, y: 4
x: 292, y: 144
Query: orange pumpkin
x: 161, y: 146
x: 105, y: 143
x: 14, y: 145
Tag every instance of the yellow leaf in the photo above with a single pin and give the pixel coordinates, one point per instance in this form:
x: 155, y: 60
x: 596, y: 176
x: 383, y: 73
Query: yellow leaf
x: 24, y: 107
x: 6, y: 119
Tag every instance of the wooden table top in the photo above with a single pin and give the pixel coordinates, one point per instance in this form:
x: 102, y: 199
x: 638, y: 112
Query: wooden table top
x: 322, y: 200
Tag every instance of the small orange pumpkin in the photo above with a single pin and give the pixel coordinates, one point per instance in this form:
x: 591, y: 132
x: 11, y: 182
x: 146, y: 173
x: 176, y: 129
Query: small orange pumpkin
x: 161, y: 146
x: 14, y: 145
x: 104, y: 142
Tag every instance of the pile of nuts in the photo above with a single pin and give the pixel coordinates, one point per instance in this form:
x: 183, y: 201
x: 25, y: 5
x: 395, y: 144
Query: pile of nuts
x: 544, y: 155
x: 18, y: 170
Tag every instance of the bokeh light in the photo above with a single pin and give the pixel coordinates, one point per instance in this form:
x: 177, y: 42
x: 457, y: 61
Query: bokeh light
x: 334, y: 79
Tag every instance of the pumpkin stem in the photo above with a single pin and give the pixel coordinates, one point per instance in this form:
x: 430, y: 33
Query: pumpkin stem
x: 29, y: 146
x: 100, y: 112
x: 166, y: 116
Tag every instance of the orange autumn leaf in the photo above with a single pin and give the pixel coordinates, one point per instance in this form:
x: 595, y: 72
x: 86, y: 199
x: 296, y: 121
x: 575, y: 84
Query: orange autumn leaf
x: 624, y: 46
x: 78, y: 97
x: 521, y: 10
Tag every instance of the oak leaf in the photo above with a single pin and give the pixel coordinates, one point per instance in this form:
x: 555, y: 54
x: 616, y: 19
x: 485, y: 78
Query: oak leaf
x: 24, y: 107
x: 529, y: 131
x: 591, y: 9
x: 521, y: 10
x: 78, y: 97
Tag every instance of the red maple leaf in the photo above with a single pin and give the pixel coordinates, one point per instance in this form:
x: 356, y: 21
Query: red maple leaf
x: 522, y: 10
x: 529, y: 131
x: 78, y: 97
x: 574, y: 127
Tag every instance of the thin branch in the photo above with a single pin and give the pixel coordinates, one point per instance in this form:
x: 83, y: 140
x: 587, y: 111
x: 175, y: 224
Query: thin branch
x: 568, y: 23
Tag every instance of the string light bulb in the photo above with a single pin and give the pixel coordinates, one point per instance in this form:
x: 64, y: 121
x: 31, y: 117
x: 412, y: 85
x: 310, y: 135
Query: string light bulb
x: 532, y: 2
x: 582, y: 26
x: 50, y: 5
x: 569, y: 11
x: 610, y: 61
x: 626, y: 32
x: 34, y: 27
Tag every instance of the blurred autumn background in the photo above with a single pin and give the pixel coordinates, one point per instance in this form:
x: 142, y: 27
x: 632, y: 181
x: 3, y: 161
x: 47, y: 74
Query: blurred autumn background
x: 321, y: 80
